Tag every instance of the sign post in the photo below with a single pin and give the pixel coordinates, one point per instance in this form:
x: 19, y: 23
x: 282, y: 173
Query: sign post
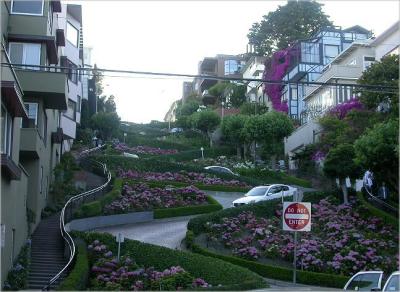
x: 296, y: 217
x: 120, y: 238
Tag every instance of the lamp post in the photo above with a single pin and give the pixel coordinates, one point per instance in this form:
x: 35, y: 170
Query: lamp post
x: 222, y: 109
x: 202, y: 152
x: 124, y: 137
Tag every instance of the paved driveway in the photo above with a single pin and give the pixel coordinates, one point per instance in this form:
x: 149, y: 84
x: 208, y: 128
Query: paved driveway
x: 225, y: 198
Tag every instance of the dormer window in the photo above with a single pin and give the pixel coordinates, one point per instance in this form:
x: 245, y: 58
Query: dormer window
x: 31, y: 7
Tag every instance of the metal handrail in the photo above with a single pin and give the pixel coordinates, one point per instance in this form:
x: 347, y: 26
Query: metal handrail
x: 67, y: 237
x: 379, y: 201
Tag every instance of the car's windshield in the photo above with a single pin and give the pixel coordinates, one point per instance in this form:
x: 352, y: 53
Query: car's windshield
x: 260, y: 191
x: 393, y: 284
x: 365, y: 282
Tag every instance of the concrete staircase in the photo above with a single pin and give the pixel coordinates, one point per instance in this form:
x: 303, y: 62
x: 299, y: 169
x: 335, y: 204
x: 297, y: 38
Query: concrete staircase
x: 47, y: 254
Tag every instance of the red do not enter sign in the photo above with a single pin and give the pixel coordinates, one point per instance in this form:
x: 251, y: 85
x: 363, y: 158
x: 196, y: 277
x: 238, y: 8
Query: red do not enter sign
x: 296, y: 216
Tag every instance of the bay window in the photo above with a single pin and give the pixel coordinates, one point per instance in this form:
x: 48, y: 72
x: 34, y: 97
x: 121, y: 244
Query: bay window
x: 72, y: 34
x: 32, y: 120
x: 25, y: 53
x: 31, y: 7
x: 6, y: 131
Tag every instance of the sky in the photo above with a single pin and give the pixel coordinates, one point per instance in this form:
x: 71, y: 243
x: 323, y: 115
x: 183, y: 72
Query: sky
x: 173, y: 36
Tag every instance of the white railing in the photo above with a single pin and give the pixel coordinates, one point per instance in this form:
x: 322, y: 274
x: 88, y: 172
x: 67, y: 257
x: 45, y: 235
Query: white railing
x: 70, y: 204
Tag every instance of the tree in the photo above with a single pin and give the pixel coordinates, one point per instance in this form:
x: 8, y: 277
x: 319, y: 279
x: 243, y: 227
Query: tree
x: 232, y: 129
x: 109, y: 105
x: 98, y: 79
x: 188, y: 108
x: 106, y: 123
x: 206, y: 121
x: 339, y: 163
x: 291, y: 22
x: 270, y: 129
x: 384, y: 73
x: 378, y: 150
x: 274, y: 127
x: 249, y: 108
x: 233, y: 94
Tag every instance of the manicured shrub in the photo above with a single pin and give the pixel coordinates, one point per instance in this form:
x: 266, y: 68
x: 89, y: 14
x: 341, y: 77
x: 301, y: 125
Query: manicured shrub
x: 195, y: 154
x: 279, y: 273
x: 214, y: 271
x: 188, y: 210
x: 91, y: 209
x: 17, y: 277
x: 268, y: 176
x: 387, y: 218
x: 78, y: 277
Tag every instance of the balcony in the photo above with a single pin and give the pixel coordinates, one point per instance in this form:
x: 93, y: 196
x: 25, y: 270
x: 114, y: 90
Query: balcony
x: 337, y: 72
x: 31, y: 143
x: 68, y: 127
x: 11, y: 91
x: 51, y: 86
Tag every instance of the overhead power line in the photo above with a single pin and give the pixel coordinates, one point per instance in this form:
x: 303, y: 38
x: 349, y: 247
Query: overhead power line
x: 87, y: 70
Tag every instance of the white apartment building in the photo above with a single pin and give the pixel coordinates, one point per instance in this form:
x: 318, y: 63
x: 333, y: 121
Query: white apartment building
x: 346, y: 68
x: 254, y: 69
x: 71, y: 21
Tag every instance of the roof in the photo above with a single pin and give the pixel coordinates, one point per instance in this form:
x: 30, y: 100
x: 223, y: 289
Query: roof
x: 357, y: 28
x: 386, y: 33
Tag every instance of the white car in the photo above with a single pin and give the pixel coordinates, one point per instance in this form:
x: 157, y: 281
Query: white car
x: 372, y: 281
x: 220, y: 169
x: 265, y: 193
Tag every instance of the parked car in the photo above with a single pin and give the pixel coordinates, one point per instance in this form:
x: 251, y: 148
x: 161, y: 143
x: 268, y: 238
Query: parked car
x: 176, y: 130
x: 265, y: 193
x: 373, y: 281
x: 220, y: 169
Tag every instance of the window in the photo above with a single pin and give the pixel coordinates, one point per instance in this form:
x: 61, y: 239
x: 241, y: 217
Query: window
x: 310, y: 52
x: 72, y: 72
x: 25, y: 53
x: 72, y: 34
x: 331, y: 52
x: 232, y: 67
x: 368, y: 61
x: 364, y: 282
x: 71, y: 110
x: 32, y: 120
x: 31, y: 7
x: 6, y: 131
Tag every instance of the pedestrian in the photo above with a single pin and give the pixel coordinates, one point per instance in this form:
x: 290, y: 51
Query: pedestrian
x: 368, y: 180
x: 383, y: 192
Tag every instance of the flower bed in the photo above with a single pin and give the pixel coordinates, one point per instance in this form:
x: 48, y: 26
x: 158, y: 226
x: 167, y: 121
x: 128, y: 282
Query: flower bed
x: 109, y: 273
x: 140, y: 197
x: 143, y: 149
x: 162, y: 258
x: 181, y: 176
x: 342, y: 241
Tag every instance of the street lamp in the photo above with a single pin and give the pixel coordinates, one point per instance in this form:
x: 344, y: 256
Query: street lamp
x: 202, y: 153
x: 222, y: 109
x: 124, y: 137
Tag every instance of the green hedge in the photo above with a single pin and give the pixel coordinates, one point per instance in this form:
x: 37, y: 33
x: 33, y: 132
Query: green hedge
x: 78, y: 277
x: 115, y: 162
x: 95, y: 208
x: 212, y: 270
x: 279, y: 273
x: 212, y: 206
x: 197, y: 225
x: 268, y: 176
x: 220, y: 188
x: 387, y: 218
x: 196, y: 154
